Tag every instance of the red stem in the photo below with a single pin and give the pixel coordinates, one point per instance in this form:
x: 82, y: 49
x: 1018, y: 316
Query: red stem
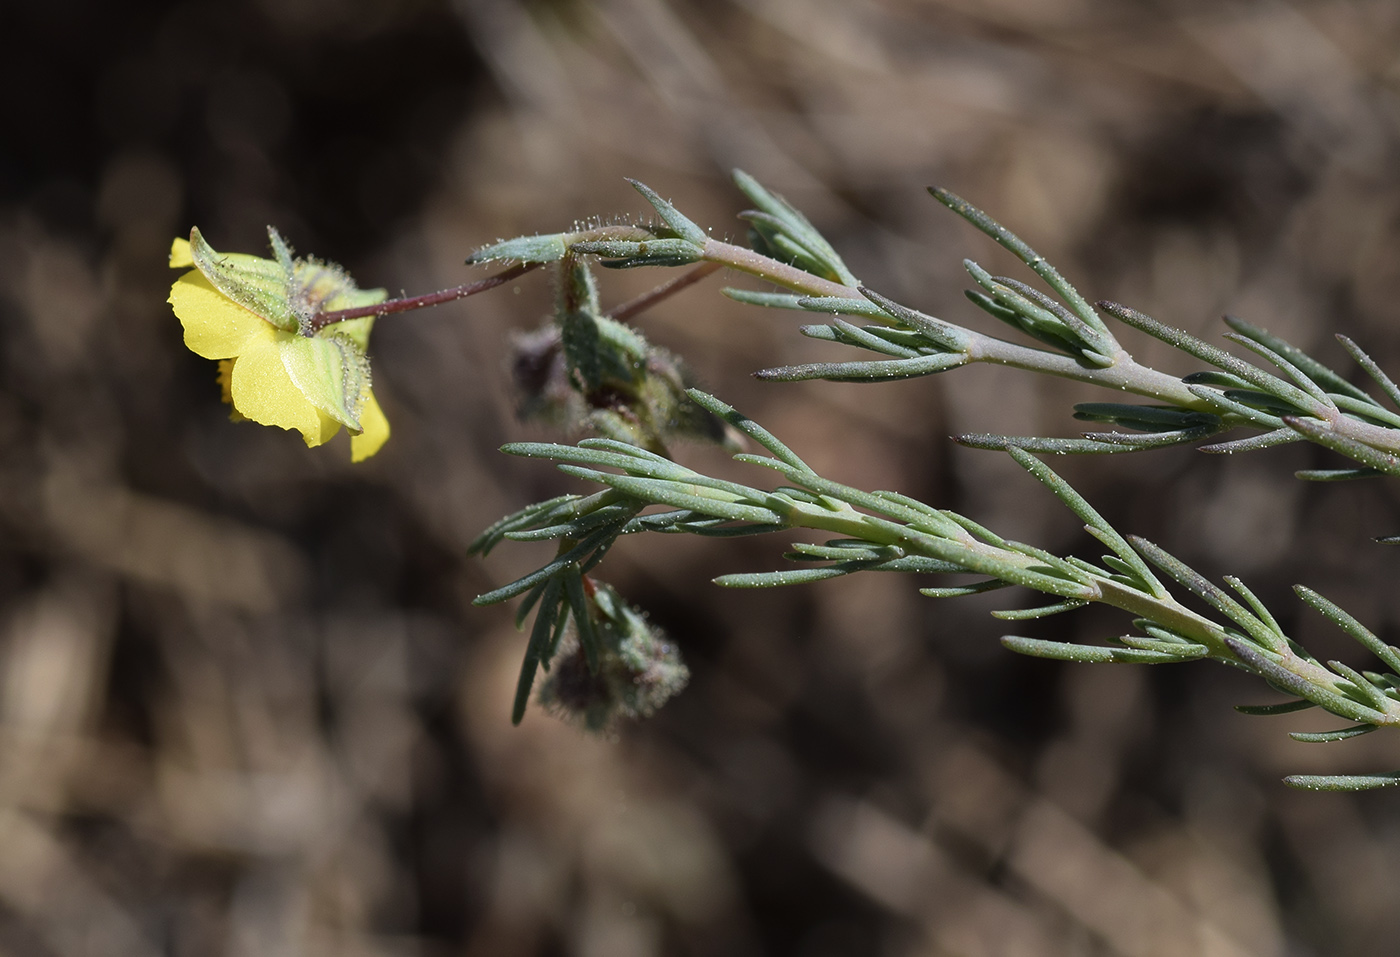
x: 321, y: 320
x: 648, y: 299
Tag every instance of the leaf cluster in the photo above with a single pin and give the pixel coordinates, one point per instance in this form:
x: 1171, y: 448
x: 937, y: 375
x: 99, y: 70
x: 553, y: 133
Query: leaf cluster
x: 1284, y: 396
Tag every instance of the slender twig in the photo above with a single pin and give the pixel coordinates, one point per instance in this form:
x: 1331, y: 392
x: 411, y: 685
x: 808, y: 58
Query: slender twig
x: 646, y: 300
x: 757, y: 264
x: 321, y: 320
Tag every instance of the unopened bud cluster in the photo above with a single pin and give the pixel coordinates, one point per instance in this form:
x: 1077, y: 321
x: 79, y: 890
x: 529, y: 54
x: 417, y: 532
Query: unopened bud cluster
x: 638, y: 671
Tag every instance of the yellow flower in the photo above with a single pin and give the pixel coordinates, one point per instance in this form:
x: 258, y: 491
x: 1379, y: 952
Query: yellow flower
x: 256, y: 317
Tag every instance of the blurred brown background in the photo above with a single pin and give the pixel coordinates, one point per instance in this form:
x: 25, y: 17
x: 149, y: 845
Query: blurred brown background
x: 245, y: 705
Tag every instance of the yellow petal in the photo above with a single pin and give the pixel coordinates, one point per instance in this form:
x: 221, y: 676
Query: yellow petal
x: 215, y: 326
x: 328, y: 428
x: 226, y: 389
x: 376, y: 429
x: 180, y: 256
x: 264, y: 392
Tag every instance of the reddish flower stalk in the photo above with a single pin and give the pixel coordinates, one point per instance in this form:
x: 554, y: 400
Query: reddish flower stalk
x: 324, y: 319
x: 648, y: 299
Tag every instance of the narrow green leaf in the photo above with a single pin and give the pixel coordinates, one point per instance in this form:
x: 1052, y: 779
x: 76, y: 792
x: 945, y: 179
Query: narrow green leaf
x: 836, y: 306
x: 1372, y: 369
x: 1224, y: 404
x: 1285, y: 680
x: 1304, y: 381
x: 1185, y: 342
x: 1325, y: 737
x: 583, y: 617
x: 1086, y: 654
x: 877, y: 371
x: 796, y: 224
x: 680, y: 225
x: 1025, y: 315
x: 525, y: 583
x: 1265, y: 710
x: 993, y: 308
x: 945, y: 335
x: 1214, y: 377
x: 1097, y: 525
x: 538, y: 648
x: 1048, y: 445
x: 1181, y: 650
x: 1137, y: 441
x: 1044, y: 611
x: 1091, y: 337
x: 1264, y: 402
x: 750, y: 428
x: 1265, y: 440
x: 1124, y: 569
x: 1009, y: 240
x: 1145, y: 417
x: 980, y: 532
x: 1389, y: 681
x: 579, y: 527
x: 1336, y: 475
x: 495, y: 533
x: 528, y: 602
x: 1368, y: 411
x: 674, y: 494
x: 1211, y: 594
x: 1341, y: 782
x: 845, y: 549
x: 1315, y: 370
x: 1367, y: 692
x: 793, y: 576
x: 1322, y: 434
x: 1388, y: 654
x: 1160, y: 633
x: 1255, y: 604
x: 957, y: 591
x: 768, y: 300
x: 716, y: 530
x: 856, y: 336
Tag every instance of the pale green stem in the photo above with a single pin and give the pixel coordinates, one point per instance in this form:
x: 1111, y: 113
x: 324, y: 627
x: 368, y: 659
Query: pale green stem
x: 1017, y: 567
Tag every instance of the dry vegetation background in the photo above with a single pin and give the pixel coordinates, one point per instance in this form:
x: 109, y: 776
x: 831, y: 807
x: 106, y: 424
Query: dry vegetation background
x: 245, y: 705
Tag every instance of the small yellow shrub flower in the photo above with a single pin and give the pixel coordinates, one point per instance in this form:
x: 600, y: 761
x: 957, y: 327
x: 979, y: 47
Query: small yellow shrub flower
x: 256, y: 317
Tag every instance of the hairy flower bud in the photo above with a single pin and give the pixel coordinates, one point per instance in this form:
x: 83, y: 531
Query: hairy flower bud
x: 639, y: 669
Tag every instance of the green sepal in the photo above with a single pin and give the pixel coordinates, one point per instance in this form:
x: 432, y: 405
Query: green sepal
x: 258, y: 285
x: 287, y: 292
x: 329, y: 367
x: 331, y: 371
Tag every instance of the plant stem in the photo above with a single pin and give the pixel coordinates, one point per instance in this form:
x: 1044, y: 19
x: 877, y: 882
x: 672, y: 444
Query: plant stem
x: 756, y: 264
x: 646, y: 300
x: 321, y: 320
x: 1125, y: 374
